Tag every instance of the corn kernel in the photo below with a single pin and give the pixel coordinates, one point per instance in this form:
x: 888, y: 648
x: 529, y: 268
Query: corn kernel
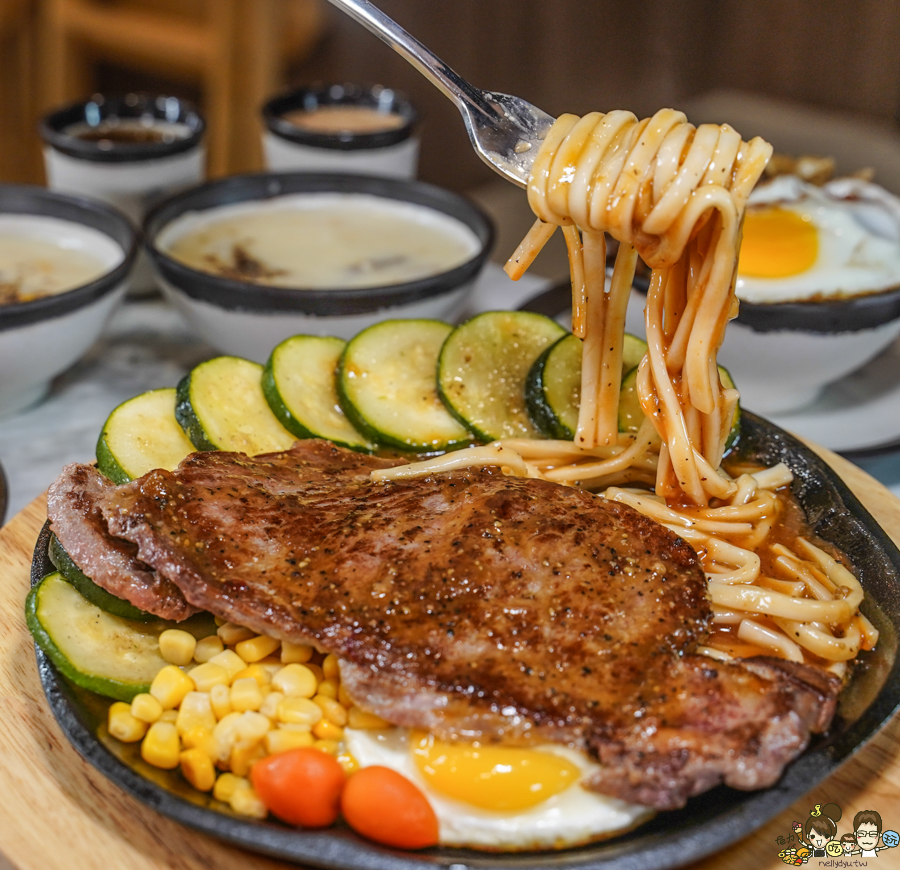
x: 332, y: 710
x: 219, y: 621
x: 252, y: 726
x: 124, y: 725
x: 161, y: 746
x: 293, y: 726
x: 195, y: 712
x: 177, y: 646
x: 246, y: 802
x: 299, y: 711
x: 199, y: 738
x: 244, y: 754
x: 295, y: 653
x: 280, y: 740
x: 325, y: 729
x: 226, y: 783
x: 344, y: 697
x: 331, y: 747
x: 229, y: 660
x: 146, y: 708
x: 256, y: 672
x: 295, y: 681
x: 257, y: 648
x: 207, y: 675
x: 270, y: 704
x: 169, y: 686
x: 197, y: 768
x: 329, y: 688
x: 330, y: 667
x: 357, y: 718
x: 245, y: 695
x: 348, y: 762
x: 170, y: 716
x: 230, y: 634
x: 225, y: 736
x: 220, y: 700
x: 271, y: 664
x: 207, y: 647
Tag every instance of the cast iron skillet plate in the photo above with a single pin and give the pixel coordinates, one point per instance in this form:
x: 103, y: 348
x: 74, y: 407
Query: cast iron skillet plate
x: 707, y: 824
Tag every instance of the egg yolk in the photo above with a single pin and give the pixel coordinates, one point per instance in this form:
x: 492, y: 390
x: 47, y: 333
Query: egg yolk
x: 777, y: 243
x: 492, y: 777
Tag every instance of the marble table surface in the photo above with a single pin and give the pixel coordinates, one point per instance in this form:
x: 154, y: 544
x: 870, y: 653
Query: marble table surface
x: 146, y: 345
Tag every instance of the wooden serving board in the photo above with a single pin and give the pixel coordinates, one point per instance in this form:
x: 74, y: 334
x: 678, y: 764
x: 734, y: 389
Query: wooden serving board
x: 58, y: 813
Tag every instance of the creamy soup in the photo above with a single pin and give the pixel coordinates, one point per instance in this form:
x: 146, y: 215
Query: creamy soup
x: 344, y: 119
x: 321, y: 241
x: 43, y: 256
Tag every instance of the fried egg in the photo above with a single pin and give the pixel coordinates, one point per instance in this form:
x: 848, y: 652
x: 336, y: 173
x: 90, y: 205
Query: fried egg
x: 803, y: 242
x: 498, y: 797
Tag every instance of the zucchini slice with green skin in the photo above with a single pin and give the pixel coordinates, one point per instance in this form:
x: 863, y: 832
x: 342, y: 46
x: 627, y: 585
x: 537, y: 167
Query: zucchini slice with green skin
x: 95, y: 594
x: 553, y: 389
x: 299, y: 383
x: 221, y: 406
x: 140, y: 435
x: 386, y: 385
x: 94, y: 649
x: 631, y: 415
x: 483, y: 366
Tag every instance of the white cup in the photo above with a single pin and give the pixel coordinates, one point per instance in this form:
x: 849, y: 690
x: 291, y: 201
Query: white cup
x: 341, y: 128
x: 130, y: 152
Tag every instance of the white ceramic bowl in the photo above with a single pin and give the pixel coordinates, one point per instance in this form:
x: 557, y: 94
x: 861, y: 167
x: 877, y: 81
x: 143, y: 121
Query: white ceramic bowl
x: 249, y: 319
x: 41, y: 338
x: 393, y: 153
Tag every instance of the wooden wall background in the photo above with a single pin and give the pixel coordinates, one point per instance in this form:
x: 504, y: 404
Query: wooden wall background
x: 568, y: 55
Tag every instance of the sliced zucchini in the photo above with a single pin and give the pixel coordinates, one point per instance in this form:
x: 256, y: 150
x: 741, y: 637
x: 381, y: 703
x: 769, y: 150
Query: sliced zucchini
x: 553, y: 389
x: 631, y: 415
x: 140, y: 435
x: 94, y: 649
x: 299, y: 383
x: 483, y: 366
x: 97, y: 595
x: 386, y: 385
x: 221, y: 406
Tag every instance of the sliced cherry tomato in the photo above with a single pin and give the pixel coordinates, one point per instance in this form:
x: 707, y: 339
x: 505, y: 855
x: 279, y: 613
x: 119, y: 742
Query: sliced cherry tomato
x: 385, y: 806
x: 301, y: 786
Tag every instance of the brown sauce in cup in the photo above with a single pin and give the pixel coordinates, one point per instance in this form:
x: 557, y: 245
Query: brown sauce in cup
x: 344, y: 118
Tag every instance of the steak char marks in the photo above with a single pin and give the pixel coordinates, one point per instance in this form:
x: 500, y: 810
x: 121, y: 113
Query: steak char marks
x: 478, y: 606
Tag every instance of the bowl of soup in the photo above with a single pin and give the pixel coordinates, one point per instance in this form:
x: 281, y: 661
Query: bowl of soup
x: 370, y: 130
x: 251, y: 260
x: 64, y: 262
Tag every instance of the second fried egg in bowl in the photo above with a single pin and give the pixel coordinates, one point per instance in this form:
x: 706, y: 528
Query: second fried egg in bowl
x: 254, y: 259
x: 819, y: 285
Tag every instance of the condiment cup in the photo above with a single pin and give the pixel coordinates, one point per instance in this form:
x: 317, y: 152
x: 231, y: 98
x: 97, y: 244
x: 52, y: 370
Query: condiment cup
x: 248, y: 319
x: 337, y: 144
x: 42, y: 337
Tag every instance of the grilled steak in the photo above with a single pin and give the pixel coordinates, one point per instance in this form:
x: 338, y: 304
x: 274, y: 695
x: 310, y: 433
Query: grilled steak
x: 477, y: 606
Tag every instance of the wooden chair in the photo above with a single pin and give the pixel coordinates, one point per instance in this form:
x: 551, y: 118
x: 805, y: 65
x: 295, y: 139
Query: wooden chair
x: 234, y: 49
x: 19, y: 150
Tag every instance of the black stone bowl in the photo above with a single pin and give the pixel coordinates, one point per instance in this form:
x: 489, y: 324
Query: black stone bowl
x: 710, y: 822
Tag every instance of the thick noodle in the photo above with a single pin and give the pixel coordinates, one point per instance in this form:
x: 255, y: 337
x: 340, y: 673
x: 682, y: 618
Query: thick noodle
x: 675, y: 195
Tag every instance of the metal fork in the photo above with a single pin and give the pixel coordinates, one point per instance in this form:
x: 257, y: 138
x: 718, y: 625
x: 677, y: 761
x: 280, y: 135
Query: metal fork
x: 505, y: 131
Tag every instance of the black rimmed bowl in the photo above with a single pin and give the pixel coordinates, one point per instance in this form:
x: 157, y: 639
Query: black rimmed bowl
x: 709, y: 823
x: 391, y: 151
x: 41, y: 338
x: 249, y: 319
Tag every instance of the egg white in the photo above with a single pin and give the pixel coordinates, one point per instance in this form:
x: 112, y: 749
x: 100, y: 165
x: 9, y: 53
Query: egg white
x: 569, y: 818
x: 852, y: 259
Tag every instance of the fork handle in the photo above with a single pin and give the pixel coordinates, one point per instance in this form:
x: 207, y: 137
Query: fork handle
x: 426, y: 62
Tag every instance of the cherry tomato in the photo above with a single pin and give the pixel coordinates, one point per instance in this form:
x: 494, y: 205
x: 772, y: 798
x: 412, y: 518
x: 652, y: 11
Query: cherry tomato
x: 301, y: 786
x: 385, y: 806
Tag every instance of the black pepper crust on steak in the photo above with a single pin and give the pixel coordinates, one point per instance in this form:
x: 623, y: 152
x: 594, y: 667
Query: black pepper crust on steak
x: 474, y: 605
